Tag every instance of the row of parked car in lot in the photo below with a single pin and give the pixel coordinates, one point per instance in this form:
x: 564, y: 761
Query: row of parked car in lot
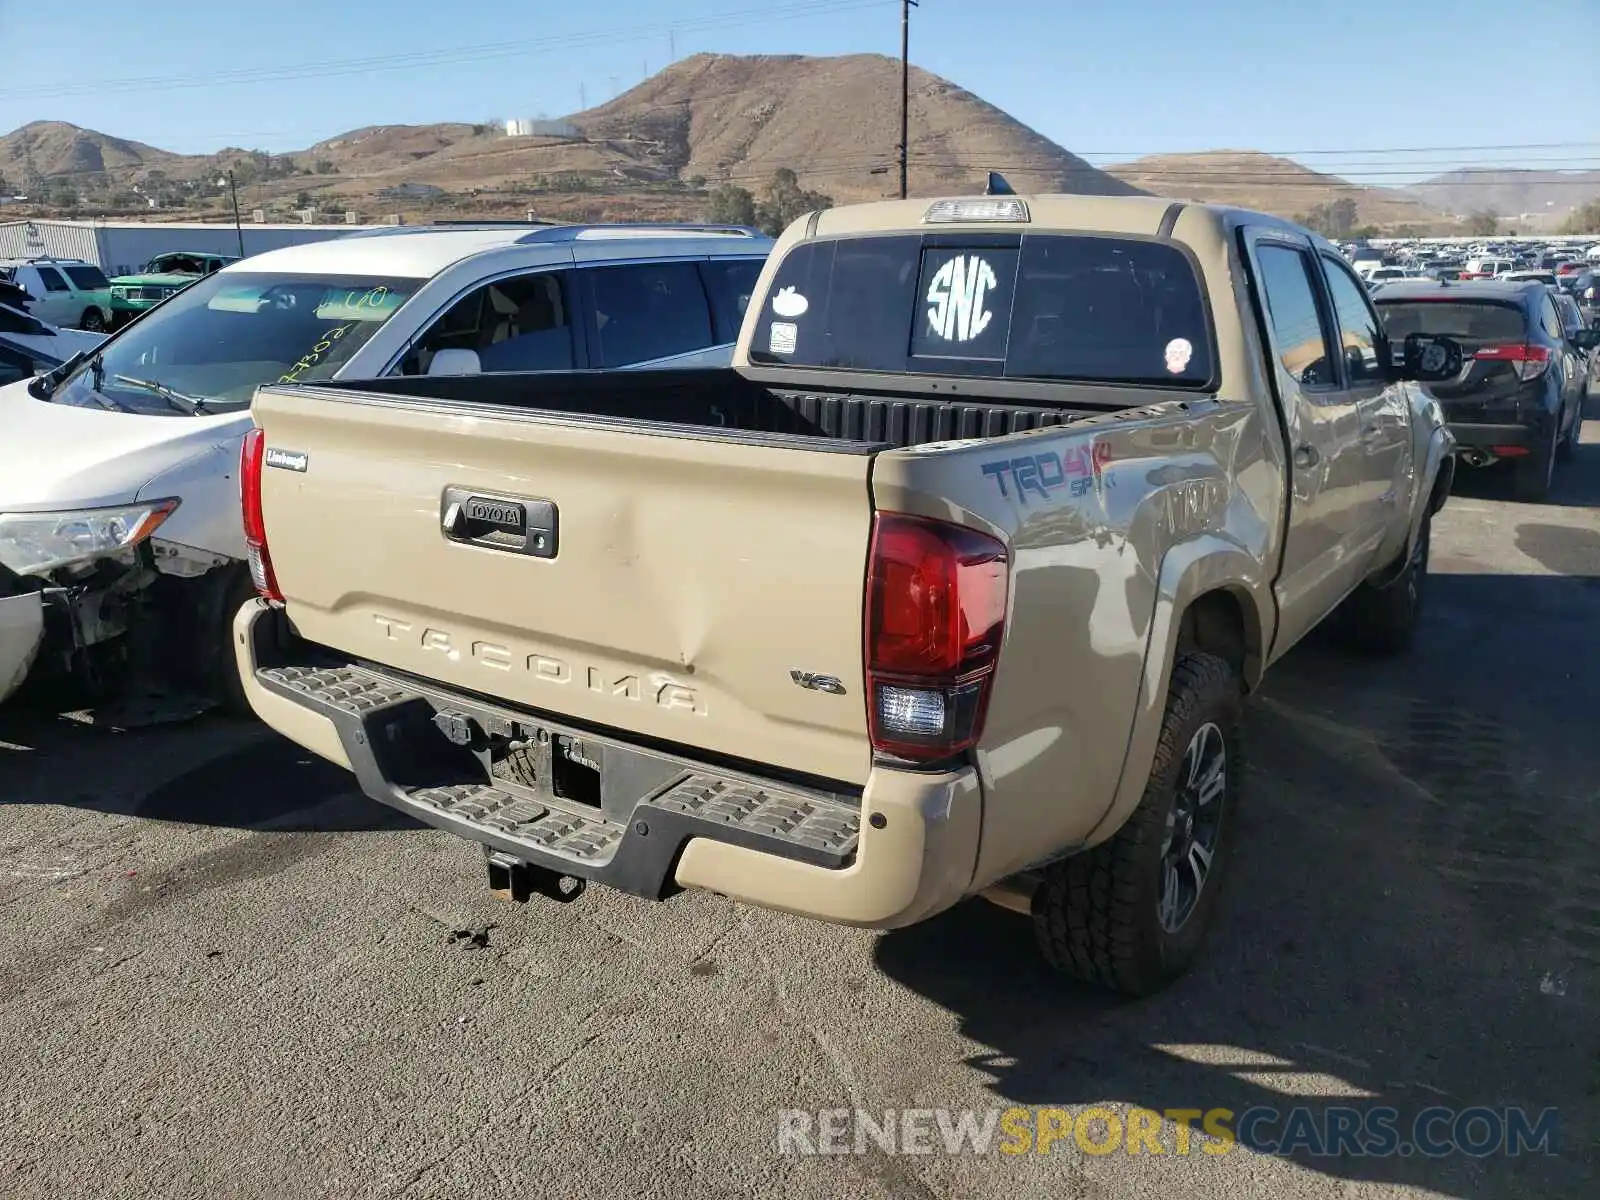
x: 673, y: 556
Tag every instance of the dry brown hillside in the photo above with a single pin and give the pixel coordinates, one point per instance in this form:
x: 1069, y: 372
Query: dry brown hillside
x: 1276, y: 185
x: 55, y: 148
x: 650, y: 153
x: 833, y: 121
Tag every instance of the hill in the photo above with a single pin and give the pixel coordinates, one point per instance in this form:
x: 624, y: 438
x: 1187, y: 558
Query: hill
x: 651, y: 152
x: 55, y: 148
x: 834, y: 121
x: 1276, y: 185
x: 1509, y: 192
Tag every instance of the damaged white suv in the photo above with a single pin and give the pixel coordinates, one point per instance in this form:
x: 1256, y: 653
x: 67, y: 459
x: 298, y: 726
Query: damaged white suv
x: 122, y: 554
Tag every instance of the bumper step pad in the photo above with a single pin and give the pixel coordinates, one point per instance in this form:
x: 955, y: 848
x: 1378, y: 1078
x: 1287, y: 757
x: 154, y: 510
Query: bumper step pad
x: 637, y: 855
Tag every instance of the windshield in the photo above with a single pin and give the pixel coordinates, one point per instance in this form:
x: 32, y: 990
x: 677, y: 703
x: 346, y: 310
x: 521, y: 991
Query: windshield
x: 219, y: 338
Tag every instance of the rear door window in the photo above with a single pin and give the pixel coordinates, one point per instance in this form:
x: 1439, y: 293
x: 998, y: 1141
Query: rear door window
x: 648, y: 311
x: 1298, y: 335
x: 730, y: 283
x: 1031, y: 306
x: 51, y: 278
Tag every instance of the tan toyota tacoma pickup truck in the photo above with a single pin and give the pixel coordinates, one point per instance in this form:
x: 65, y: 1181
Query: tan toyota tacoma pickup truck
x: 952, y: 585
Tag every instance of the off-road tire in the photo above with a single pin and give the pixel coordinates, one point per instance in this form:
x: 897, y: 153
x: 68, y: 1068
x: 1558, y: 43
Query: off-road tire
x: 1384, y: 620
x: 1095, y: 914
x: 93, y: 321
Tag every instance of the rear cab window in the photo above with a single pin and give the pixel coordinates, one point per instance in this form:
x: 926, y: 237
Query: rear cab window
x: 87, y: 279
x: 1097, y: 308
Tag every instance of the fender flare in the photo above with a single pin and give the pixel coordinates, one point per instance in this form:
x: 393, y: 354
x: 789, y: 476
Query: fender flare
x: 1189, y: 570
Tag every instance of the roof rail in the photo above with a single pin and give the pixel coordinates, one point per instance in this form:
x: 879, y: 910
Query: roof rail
x: 445, y: 227
x: 573, y: 233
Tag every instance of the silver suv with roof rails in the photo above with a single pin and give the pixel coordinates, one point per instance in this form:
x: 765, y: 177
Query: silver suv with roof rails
x: 121, y: 543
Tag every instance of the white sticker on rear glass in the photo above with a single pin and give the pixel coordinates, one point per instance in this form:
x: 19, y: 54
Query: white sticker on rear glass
x: 790, y: 303
x: 956, y: 294
x: 782, y: 336
x: 1179, y: 352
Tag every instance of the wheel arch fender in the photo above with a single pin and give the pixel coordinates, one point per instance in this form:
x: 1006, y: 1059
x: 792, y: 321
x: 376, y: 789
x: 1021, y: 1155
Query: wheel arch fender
x: 1211, y: 595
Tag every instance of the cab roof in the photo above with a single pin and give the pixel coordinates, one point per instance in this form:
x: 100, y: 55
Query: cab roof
x: 1200, y: 225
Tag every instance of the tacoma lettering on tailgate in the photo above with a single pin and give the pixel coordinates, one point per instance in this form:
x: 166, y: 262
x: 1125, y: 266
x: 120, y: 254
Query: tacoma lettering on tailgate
x: 619, y: 683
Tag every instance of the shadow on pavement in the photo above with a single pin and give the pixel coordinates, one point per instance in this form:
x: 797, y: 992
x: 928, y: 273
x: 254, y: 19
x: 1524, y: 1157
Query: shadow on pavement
x: 244, y: 776
x: 1413, y: 918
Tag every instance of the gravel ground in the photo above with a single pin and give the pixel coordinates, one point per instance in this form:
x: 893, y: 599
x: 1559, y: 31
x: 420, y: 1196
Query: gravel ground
x: 224, y: 973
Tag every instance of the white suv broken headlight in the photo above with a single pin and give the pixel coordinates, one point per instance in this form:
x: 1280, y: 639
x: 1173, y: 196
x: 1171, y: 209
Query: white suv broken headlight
x: 33, y: 543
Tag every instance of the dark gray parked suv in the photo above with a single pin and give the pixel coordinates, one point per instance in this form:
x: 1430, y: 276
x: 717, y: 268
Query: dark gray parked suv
x: 1520, y: 394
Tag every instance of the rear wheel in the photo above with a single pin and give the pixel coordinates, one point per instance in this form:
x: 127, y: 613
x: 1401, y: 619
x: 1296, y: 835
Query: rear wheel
x: 1383, y: 620
x: 1132, y: 913
x: 1569, y: 444
x: 93, y: 321
x: 1533, y: 475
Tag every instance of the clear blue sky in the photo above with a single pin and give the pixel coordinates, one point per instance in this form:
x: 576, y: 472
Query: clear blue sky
x: 1108, y: 79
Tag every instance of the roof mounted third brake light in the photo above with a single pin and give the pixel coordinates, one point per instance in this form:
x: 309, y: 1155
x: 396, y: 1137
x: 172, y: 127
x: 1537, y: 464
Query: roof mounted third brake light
x: 946, y: 212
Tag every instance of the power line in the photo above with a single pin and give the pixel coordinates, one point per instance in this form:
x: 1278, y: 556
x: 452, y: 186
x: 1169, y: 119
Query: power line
x: 330, y: 68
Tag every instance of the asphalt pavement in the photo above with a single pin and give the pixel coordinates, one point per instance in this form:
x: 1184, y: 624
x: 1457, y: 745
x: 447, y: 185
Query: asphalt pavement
x: 225, y: 973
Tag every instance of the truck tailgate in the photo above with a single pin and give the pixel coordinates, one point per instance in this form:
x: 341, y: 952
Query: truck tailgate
x: 679, y: 581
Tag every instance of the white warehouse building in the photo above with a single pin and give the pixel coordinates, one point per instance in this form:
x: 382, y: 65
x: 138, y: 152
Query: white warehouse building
x: 122, y: 247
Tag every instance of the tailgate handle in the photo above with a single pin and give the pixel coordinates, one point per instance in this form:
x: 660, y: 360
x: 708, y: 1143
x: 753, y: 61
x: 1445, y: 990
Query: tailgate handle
x: 492, y: 521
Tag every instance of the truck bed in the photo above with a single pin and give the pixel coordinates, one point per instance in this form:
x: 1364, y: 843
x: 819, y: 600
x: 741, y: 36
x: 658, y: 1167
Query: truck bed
x: 724, y: 398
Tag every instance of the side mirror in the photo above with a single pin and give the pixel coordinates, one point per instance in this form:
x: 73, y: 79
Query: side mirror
x: 1430, y: 358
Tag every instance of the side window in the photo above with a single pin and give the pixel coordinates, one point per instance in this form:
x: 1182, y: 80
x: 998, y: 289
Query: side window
x: 52, y: 279
x: 1360, y: 332
x: 650, y: 310
x: 730, y: 284
x: 519, y: 324
x: 1551, y: 322
x: 1298, y: 336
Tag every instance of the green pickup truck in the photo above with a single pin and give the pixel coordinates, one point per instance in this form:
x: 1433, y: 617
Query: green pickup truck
x: 164, y: 275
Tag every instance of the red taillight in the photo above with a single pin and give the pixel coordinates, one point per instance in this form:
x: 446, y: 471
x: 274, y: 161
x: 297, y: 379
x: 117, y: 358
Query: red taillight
x: 255, y: 527
x: 1528, y: 361
x: 936, y: 612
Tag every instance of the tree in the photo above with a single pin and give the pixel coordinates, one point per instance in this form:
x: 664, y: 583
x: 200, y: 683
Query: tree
x: 785, y: 201
x: 1483, y: 224
x: 1584, y: 219
x: 1334, y: 219
x: 302, y: 200
x: 324, y: 166
x: 732, y: 205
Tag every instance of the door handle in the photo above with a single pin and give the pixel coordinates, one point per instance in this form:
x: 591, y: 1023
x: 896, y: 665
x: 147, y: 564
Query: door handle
x: 1306, y: 457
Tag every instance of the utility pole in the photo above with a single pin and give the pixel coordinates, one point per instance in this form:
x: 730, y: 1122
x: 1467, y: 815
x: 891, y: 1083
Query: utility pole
x: 905, y: 90
x: 672, y: 46
x: 233, y: 190
x: 583, y: 98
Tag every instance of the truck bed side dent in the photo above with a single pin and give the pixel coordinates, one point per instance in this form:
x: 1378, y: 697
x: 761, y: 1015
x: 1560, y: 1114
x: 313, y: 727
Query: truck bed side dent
x: 1101, y: 518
